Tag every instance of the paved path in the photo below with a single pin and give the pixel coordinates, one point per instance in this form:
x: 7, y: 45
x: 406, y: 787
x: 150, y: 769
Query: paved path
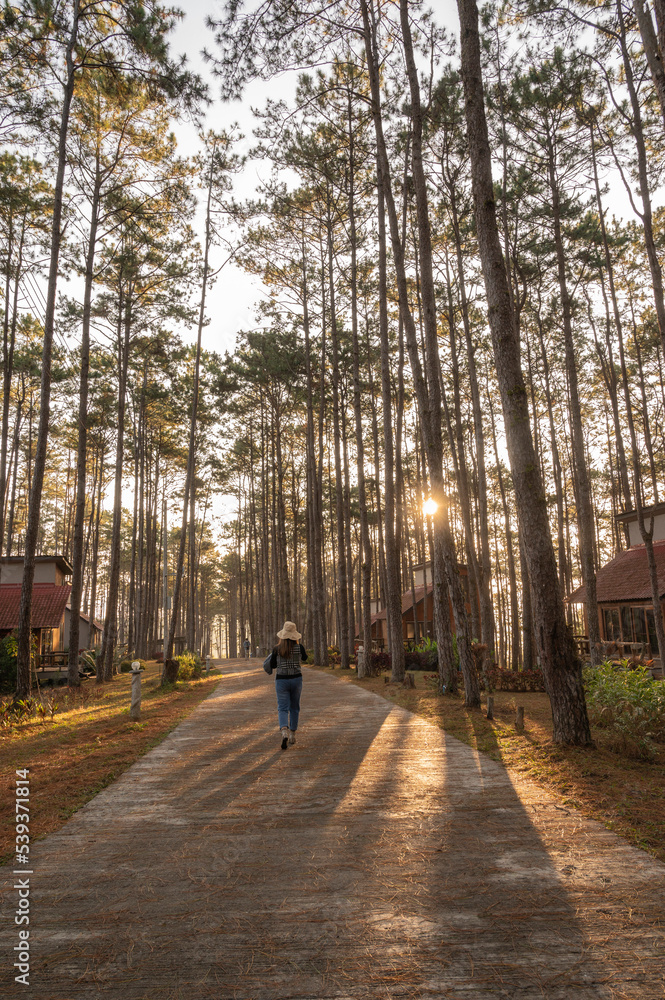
x: 377, y: 858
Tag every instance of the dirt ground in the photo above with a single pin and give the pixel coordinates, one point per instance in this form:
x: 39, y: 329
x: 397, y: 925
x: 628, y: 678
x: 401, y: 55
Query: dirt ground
x: 88, y: 744
x: 624, y: 793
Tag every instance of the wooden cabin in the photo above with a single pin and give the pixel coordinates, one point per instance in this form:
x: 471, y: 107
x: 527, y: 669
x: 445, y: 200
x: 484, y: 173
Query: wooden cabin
x: 51, y: 613
x: 419, y: 625
x: 623, y: 586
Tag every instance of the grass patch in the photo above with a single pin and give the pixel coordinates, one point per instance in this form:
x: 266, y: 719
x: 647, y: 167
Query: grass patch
x: 625, y: 793
x: 88, y: 744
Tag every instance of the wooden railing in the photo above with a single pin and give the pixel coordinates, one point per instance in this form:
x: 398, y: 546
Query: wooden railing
x: 615, y: 650
x: 52, y: 660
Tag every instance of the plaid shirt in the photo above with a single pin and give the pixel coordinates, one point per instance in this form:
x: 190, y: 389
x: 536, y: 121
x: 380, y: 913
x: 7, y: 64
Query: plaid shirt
x: 290, y: 666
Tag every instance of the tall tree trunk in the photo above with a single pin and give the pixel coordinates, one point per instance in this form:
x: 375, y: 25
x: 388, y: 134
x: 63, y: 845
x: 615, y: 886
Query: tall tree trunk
x: 105, y: 663
x: 445, y: 568
x: 645, y: 533
x: 284, y: 577
x: 643, y: 179
x: 133, y: 614
x: 191, y: 581
x: 167, y: 672
x: 14, y: 461
x: 347, y: 527
x: 484, y: 570
x: 39, y: 466
x: 458, y: 452
x: 560, y: 664
x: 342, y: 597
x: 652, y: 51
x: 585, y: 520
x: 317, y: 598
x: 515, y: 646
x: 8, y: 347
x: 141, y: 582
x: 557, y: 471
x: 365, y: 543
x: 392, y: 594
x: 611, y: 380
x: 95, y: 541
x: 82, y: 452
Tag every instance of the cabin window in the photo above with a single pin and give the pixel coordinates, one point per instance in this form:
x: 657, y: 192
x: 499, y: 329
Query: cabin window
x: 626, y: 623
x: 639, y: 625
x: 629, y: 623
x: 651, y: 630
x: 411, y: 631
x: 612, y: 624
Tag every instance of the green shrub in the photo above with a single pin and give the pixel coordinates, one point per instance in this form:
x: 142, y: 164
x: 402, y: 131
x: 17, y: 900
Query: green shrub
x: 628, y: 704
x: 310, y: 657
x: 126, y: 665
x: 190, y: 667
x: 47, y: 708
x: 8, y: 663
x: 16, y: 711
x: 87, y: 662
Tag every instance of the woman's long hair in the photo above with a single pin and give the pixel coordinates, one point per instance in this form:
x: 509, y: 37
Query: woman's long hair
x: 285, y: 648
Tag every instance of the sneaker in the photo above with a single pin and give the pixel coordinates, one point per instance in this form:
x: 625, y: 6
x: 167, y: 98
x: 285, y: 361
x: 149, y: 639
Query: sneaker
x: 292, y: 737
x: 285, y: 739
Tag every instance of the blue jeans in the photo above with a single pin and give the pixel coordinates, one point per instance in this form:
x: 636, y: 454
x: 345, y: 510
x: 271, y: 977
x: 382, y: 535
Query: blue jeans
x: 288, y: 701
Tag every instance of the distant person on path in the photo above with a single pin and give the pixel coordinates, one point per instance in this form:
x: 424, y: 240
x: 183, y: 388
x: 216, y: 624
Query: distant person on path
x: 285, y: 660
x: 246, y: 647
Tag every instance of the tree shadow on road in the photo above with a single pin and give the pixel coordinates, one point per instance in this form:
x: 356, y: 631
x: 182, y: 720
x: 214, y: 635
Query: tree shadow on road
x: 377, y: 859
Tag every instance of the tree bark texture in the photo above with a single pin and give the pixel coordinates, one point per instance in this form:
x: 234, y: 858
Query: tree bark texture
x: 560, y: 664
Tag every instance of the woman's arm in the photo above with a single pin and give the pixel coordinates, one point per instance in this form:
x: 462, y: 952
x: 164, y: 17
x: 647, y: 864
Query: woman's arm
x: 303, y: 653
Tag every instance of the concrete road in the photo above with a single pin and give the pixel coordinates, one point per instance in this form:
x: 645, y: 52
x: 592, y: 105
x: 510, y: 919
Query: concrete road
x: 377, y: 858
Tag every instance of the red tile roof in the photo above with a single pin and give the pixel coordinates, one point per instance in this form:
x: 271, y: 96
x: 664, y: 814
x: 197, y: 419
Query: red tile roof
x: 48, y: 605
x: 86, y: 618
x: 626, y: 578
x: 407, y: 602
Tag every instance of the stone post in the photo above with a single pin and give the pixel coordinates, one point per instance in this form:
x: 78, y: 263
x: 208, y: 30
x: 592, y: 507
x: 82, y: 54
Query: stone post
x: 135, y: 709
x: 360, y: 668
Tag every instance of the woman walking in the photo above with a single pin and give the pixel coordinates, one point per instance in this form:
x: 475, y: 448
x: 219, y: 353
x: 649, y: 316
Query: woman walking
x: 285, y: 660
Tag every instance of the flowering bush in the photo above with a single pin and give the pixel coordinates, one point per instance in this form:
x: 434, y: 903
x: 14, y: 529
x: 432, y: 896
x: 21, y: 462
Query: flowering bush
x: 378, y: 662
x: 419, y: 659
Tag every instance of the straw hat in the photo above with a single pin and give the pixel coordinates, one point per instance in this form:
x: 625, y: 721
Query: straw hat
x: 289, y: 632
